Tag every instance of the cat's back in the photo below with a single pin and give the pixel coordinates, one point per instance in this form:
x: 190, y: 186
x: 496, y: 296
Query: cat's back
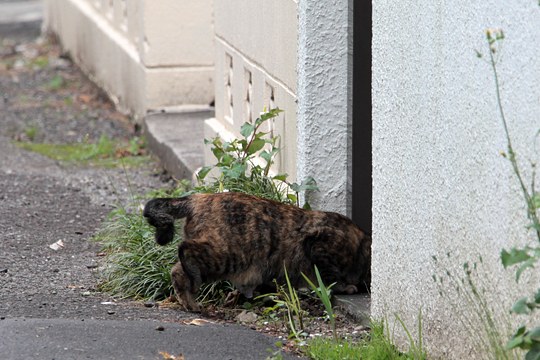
x: 233, y: 214
x: 227, y: 204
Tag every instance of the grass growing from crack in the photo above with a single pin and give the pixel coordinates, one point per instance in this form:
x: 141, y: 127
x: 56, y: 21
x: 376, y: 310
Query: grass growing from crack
x: 104, y: 153
x: 486, y: 322
x: 378, y: 345
x: 288, y: 299
x: 30, y: 132
x: 324, y: 293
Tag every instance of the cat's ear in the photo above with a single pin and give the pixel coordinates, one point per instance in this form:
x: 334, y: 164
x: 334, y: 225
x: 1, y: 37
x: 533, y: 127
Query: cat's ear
x: 165, y: 234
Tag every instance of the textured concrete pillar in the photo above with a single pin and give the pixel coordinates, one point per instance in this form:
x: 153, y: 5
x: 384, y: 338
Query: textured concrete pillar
x: 324, y: 100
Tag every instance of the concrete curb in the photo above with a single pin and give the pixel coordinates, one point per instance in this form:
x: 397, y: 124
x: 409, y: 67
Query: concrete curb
x: 176, y: 136
x: 357, y: 307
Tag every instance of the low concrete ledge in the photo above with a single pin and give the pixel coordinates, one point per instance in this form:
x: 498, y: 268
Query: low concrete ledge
x: 176, y: 136
x: 356, y: 306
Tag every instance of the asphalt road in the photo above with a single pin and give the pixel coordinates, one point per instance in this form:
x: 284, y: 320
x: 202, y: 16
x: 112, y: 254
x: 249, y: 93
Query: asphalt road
x: 93, y: 339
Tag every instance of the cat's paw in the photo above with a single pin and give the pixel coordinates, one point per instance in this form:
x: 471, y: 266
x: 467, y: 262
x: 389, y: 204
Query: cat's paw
x: 231, y: 299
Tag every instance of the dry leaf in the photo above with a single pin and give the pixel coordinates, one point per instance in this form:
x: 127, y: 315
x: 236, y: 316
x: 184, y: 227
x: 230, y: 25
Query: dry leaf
x: 57, y: 245
x: 75, y: 286
x: 85, y: 98
x: 167, y: 356
x: 197, y: 322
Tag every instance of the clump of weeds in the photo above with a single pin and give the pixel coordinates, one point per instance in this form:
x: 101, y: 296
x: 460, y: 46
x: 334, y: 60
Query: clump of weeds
x: 133, y: 266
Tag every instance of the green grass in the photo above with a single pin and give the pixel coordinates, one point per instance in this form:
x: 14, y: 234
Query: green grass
x: 31, y: 132
x: 287, y: 298
x: 377, y: 346
x: 324, y: 294
x: 104, y: 153
x: 181, y: 189
x: 466, y: 293
x: 214, y: 293
x: 134, y: 266
x: 56, y: 83
x: 40, y: 62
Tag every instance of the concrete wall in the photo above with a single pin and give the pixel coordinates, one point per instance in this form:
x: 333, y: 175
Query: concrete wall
x: 439, y: 182
x: 324, y: 100
x: 146, y: 55
x: 255, y: 63
x: 289, y: 48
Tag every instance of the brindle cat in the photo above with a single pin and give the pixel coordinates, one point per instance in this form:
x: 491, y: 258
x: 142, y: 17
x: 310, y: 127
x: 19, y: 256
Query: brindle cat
x: 248, y: 241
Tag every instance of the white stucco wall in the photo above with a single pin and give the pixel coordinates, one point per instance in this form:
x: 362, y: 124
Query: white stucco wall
x: 439, y: 183
x: 146, y: 55
x: 324, y: 100
x: 255, y: 67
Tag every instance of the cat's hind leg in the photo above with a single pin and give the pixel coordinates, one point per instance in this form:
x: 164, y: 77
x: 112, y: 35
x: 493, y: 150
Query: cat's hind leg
x: 183, y: 288
x: 197, y: 262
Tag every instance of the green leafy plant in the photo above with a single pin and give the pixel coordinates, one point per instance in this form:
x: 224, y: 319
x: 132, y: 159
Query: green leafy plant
x: 521, y: 257
x: 324, y: 293
x: 309, y: 184
x: 181, y: 188
x: 244, y: 165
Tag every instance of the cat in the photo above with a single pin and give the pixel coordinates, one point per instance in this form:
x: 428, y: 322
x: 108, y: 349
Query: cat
x: 250, y: 241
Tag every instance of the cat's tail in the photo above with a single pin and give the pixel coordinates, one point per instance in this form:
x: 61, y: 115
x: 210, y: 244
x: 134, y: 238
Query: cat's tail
x: 162, y: 212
